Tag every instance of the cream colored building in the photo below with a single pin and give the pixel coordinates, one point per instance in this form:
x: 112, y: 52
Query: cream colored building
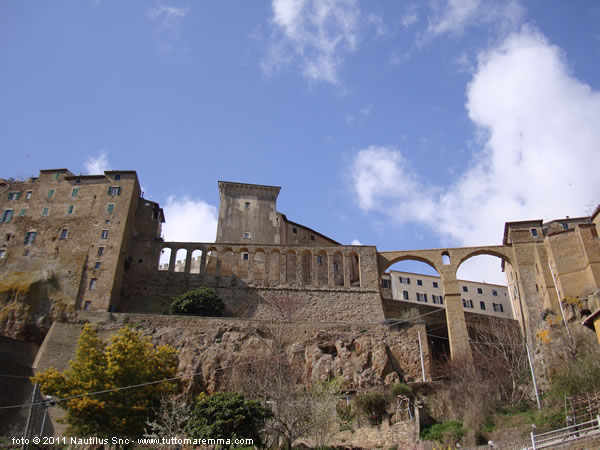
x: 481, y: 298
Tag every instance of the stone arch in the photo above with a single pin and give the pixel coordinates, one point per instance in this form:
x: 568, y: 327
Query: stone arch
x: 322, y: 265
x: 180, y: 259
x: 164, y: 258
x: 196, y: 261
x: 227, y: 262
x: 290, y: 266
x: 274, y: 265
x: 410, y: 256
x: 338, y: 269
x: 354, y: 260
x: 306, y: 267
x: 484, y: 251
x: 258, y: 264
x: 212, y: 257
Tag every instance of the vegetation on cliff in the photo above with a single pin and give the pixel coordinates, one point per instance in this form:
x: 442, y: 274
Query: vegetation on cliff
x: 128, y: 359
x: 202, y: 301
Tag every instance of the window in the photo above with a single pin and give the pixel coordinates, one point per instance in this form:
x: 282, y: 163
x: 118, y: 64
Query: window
x: 335, y: 267
x: 537, y: 289
x: 93, y: 284
x: 110, y: 208
x: 26, y: 252
x: 419, y: 282
x: 114, y: 190
x: 51, y: 193
x: 385, y: 284
x: 100, y: 251
x: 421, y: 297
x: 494, y: 293
x: 435, y: 284
x: 565, y: 226
x: 246, y: 235
x: 294, y: 230
x: 28, y: 195
x: 69, y: 209
x: 23, y: 211
x: 97, y: 265
x: 465, y: 289
x: 247, y: 205
x: 533, y: 232
x: 7, y: 215
x: 14, y: 196
x: 30, y: 237
x: 155, y: 214
x: 77, y: 181
x: 107, y: 221
x: 498, y: 307
x: 468, y: 303
x: 482, y: 305
x: 104, y: 234
x: 55, y: 176
x: 2, y: 254
x: 319, y: 259
x: 87, y: 306
x: 74, y: 192
x: 117, y: 177
x: 64, y: 233
x: 438, y: 299
x: 479, y: 291
x: 404, y: 280
x: 405, y: 295
x: 45, y: 211
x: 312, y: 237
x: 245, y: 256
x: 7, y: 237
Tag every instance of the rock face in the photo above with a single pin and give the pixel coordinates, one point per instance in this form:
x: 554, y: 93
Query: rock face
x: 364, y: 355
x: 30, y: 303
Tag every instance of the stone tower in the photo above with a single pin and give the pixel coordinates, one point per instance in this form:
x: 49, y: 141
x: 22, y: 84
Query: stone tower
x: 248, y: 213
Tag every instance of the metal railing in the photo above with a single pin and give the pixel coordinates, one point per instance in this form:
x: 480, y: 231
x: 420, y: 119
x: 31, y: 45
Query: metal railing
x: 566, y: 434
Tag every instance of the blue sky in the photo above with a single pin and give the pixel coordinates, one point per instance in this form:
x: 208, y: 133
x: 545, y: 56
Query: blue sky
x: 397, y: 124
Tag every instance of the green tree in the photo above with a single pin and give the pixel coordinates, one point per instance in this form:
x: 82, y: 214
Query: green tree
x: 128, y: 359
x: 202, y: 301
x: 227, y: 415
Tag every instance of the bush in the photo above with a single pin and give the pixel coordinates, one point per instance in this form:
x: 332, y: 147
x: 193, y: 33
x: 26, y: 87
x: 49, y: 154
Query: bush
x: 401, y: 389
x: 581, y: 377
x: 202, y: 302
x: 372, y: 405
x: 447, y: 433
x: 227, y: 415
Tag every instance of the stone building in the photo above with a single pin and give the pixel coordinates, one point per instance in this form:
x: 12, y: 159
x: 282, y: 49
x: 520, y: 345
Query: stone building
x: 75, y: 230
x: 96, y: 244
x: 479, y: 298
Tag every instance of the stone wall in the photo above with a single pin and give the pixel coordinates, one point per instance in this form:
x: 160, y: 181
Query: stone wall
x: 304, y: 285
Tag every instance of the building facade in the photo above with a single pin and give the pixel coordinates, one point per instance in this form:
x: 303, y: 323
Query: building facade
x: 480, y: 298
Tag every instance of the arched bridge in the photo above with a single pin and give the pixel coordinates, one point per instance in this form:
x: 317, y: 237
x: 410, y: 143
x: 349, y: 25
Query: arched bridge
x: 446, y: 262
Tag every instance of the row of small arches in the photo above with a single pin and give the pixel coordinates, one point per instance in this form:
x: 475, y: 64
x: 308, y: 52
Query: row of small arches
x: 306, y: 267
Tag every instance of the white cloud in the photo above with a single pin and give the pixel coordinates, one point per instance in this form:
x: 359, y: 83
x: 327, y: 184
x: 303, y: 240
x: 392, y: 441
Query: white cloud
x: 97, y: 165
x: 356, y: 242
x: 453, y: 16
x: 537, y: 155
x: 189, y: 220
x: 167, y: 20
x: 409, y: 19
x: 381, y: 29
x: 315, y: 35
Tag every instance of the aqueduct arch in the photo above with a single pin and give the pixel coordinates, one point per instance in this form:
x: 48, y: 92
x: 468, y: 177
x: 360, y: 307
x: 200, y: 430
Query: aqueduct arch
x: 446, y: 262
